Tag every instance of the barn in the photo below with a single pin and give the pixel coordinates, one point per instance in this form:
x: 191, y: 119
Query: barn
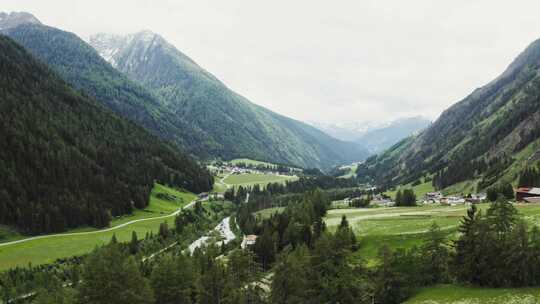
x: 526, y: 194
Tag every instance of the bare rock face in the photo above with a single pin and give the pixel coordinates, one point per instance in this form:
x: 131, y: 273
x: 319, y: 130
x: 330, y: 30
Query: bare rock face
x: 15, y: 19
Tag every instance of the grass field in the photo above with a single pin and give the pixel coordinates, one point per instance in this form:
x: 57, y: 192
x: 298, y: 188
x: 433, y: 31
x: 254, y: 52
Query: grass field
x: 251, y: 179
x: 46, y: 250
x: 404, y: 227
x: 452, y: 294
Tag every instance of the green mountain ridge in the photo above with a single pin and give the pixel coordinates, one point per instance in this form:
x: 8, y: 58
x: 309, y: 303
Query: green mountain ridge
x: 240, y: 128
x: 478, y: 138
x: 68, y: 161
x: 80, y: 65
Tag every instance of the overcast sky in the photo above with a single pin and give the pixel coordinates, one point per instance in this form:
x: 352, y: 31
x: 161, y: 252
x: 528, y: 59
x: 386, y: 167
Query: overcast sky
x: 325, y: 60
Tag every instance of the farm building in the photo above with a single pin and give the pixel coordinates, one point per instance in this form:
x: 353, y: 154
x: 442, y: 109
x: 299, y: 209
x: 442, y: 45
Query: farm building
x: 526, y: 194
x: 249, y: 240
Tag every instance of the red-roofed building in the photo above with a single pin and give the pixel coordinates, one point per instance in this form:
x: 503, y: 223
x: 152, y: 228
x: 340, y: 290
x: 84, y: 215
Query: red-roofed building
x: 527, y: 194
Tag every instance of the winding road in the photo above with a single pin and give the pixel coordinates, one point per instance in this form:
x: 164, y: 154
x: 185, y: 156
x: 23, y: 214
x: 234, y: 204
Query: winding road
x: 102, y: 230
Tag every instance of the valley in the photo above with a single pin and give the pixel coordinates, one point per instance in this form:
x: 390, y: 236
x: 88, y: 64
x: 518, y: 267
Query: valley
x: 131, y: 174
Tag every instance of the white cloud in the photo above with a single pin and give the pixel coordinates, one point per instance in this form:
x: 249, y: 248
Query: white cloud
x: 325, y: 60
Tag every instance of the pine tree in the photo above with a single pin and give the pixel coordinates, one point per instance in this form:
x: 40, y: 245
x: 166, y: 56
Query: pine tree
x: 435, y: 256
x: 109, y: 272
x: 134, y: 243
x: 173, y: 280
x: 113, y: 239
x: 287, y: 288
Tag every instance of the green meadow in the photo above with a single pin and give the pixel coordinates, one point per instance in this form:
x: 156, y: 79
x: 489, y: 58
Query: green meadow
x: 83, y: 240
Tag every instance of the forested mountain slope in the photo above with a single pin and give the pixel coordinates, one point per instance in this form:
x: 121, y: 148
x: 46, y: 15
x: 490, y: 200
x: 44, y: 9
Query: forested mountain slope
x: 68, y: 161
x: 241, y: 128
x: 82, y: 67
x: 477, y: 138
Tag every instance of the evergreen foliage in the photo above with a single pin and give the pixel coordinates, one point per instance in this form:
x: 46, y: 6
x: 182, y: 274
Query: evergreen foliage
x: 66, y: 160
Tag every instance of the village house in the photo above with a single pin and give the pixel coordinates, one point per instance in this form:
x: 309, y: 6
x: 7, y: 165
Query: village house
x: 249, y: 240
x: 434, y: 197
x: 528, y: 194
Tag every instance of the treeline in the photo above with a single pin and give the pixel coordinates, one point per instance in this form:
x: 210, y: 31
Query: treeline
x: 529, y: 177
x: 344, y: 186
x: 405, y: 198
x: 66, y: 161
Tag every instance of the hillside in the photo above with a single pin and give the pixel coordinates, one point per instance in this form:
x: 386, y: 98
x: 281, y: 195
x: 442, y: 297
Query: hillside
x: 484, y: 137
x: 240, y: 128
x: 81, y: 66
x: 66, y: 160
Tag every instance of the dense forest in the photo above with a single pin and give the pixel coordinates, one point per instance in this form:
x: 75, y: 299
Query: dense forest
x: 82, y: 67
x: 67, y: 161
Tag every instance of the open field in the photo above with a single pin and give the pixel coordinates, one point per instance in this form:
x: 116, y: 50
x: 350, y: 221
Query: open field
x: 48, y: 249
x: 452, y: 294
x: 406, y: 226
x: 251, y: 179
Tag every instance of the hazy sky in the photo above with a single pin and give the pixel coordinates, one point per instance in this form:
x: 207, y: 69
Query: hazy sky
x: 325, y: 60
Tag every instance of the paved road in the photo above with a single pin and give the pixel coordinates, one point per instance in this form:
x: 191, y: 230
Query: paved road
x: 102, y: 230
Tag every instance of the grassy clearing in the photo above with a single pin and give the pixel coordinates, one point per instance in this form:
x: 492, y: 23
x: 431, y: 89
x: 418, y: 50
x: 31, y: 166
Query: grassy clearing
x: 452, y: 294
x: 251, y: 179
x: 47, y: 250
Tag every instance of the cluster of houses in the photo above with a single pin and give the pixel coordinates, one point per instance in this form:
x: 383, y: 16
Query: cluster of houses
x: 438, y: 198
x: 433, y: 198
x: 235, y: 170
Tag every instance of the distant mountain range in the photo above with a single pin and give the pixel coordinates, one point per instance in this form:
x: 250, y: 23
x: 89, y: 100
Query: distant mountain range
x: 375, y: 137
x: 486, y: 138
